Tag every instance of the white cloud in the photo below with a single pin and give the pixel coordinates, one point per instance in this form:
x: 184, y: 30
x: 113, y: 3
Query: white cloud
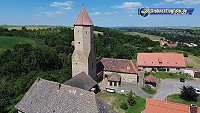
x: 107, y: 13
x: 185, y: 2
x: 48, y: 13
x: 96, y: 13
x: 67, y: 8
x: 128, y: 5
x: 62, y: 4
x: 170, y: 0
x: 59, y: 12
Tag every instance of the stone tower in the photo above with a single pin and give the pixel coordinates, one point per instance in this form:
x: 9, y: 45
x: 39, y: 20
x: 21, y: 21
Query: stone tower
x: 84, y: 56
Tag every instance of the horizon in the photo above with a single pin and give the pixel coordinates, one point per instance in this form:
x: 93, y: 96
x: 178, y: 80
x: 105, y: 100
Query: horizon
x: 122, y: 13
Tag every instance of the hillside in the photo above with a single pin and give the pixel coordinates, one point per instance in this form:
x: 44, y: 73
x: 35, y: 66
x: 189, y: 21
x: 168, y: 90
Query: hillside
x: 7, y: 42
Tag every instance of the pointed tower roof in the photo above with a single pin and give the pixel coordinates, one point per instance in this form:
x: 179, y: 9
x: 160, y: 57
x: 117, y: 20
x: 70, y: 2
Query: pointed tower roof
x: 83, y: 18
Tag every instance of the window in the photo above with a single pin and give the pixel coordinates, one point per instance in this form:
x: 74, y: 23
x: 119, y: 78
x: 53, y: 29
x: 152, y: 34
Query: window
x: 78, y: 31
x: 79, y: 42
x: 86, y: 32
x: 152, y: 62
x: 92, y: 64
x: 76, y: 63
x: 115, y: 83
x: 110, y: 83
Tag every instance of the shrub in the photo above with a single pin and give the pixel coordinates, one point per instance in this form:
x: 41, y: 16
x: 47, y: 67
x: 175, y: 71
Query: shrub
x: 131, y: 99
x: 146, y: 73
x: 124, y: 106
x: 185, y: 54
x: 147, y: 87
x: 188, y: 93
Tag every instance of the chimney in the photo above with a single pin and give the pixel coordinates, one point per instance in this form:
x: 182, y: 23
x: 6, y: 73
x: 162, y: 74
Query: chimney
x: 193, y: 108
x: 59, y: 85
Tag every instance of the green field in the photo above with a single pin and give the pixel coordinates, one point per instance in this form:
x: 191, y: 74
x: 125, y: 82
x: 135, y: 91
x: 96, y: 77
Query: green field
x: 9, y: 42
x: 114, y: 100
x: 176, y: 98
x: 27, y: 27
x: 193, y: 61
x: 151, y: 37
x: 164, y: 75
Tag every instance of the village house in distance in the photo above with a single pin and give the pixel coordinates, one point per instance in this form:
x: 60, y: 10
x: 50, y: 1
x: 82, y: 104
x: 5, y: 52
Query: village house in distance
x: 75, y: 95
x: 169, y: 62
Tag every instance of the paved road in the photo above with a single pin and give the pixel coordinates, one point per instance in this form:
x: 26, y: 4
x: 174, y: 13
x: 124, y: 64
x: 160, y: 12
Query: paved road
x: 141, y: 77
x: 171, y: 86
x: 135, y: 88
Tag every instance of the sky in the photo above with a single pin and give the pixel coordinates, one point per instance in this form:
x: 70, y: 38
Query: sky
x: 104, y: 13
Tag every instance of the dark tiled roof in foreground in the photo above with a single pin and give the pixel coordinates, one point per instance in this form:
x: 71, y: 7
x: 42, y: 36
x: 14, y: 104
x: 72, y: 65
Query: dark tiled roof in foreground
x: 46, y: 97
x: 82, y: 80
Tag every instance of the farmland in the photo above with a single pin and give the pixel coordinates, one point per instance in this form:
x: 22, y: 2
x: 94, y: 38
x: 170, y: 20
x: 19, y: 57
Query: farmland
x: 193, y: 61
x: 151, y: 37
x: 8, y: 42
x: 27, y: 27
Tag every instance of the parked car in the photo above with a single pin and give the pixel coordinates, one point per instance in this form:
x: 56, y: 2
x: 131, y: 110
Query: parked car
x: 197, y: 91
x: 182, y: 80
x: 110, y: 90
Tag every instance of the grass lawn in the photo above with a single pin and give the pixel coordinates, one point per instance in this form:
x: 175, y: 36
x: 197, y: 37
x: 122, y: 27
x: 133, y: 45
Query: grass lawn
x: 164, y: 75
x: 176, y: 98
x: 151, y: 37
x: 193, y: 61
x: 9, y: 42
x: 114, y: 100
x: 149, y: 92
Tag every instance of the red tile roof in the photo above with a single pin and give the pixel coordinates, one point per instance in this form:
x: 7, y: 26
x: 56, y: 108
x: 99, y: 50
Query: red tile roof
x: 150, y: 78
x: 157, y: 106
x: 160, y: 59
x: 119, y: 65
x: 83, y: 18
x: 172, y: 45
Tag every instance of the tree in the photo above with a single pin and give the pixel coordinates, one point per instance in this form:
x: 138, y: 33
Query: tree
x: 124, y: 106
x: 131, y: 99
x: 188, y: 93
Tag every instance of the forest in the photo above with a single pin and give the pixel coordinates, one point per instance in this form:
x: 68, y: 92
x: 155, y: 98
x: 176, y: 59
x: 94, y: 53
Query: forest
x: 22, y: 64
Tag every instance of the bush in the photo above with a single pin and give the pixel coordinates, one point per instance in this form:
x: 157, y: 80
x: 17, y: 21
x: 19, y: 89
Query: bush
x: 124, y: 106
x: 188, y: 93
x: 146, y: 73
x: 147, y: 87
x: 131, y: 99
x: 185, y: 54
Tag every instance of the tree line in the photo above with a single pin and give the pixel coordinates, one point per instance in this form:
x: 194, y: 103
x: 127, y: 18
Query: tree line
x: 21, y: 65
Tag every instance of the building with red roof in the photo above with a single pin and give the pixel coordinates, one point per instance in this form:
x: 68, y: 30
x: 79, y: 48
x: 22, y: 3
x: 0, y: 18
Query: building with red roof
x: 123, y: 67
x: 157, y: 106
x: 171, y: 62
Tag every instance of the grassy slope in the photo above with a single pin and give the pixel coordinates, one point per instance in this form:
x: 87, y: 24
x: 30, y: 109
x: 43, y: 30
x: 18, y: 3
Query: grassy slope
x: 114, y: 100
x: 151, y: 37
x: 193, y: 61
x: 164, y: 75
x: 9, y: 42
x: 176, y: 98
